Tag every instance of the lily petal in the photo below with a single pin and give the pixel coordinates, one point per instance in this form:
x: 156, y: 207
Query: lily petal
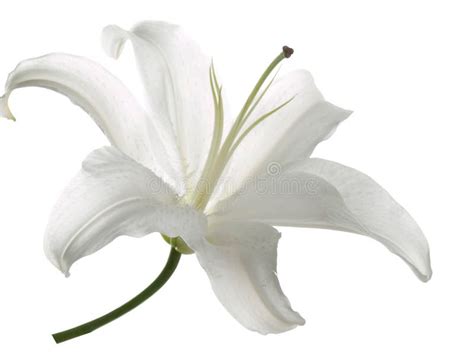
x: 240, y: 259
x: 111, y: 196
x: 290, y: 134
x: 175, y: 73
x: 106, y: 99
x: 322, y: 194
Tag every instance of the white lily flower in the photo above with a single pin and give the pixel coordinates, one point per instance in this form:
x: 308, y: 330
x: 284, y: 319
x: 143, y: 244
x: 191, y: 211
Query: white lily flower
x: 182, y: 168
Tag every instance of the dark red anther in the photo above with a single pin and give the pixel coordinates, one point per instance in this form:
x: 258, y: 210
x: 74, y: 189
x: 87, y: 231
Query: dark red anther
x: 288, y: 51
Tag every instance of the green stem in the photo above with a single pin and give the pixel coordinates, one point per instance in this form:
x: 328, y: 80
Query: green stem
x: 89, y: 327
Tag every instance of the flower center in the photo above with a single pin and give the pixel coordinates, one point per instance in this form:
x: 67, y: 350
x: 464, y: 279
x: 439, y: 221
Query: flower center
x: 221, y: 152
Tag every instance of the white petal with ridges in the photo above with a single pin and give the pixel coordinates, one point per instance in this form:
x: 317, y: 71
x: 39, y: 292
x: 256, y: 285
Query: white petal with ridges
x: 322, y: 194
x: 290, y: 134
x: 106, y: 100
x: 175, y: 73
x: 240, y: 259
x: 111, y: 196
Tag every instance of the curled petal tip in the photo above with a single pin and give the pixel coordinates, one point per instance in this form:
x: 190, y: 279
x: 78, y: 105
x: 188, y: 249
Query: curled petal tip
x: 5, y: 109
x: 425, y: 277
x: 113, y: 39
x: 422, y: 268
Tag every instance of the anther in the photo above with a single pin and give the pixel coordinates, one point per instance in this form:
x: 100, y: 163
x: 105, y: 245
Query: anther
x: 288, y: 51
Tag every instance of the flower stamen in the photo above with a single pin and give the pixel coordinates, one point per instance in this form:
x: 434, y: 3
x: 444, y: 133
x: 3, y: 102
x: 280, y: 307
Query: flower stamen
x: 257, y: 101
x: 241, y: 118
x: 220, y: 155
x: 255, y: 124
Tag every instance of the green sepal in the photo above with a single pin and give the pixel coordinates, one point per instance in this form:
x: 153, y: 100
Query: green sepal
x: 179, y: 244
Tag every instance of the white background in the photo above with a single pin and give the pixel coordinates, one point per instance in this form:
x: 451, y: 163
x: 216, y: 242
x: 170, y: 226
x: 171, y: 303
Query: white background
x: 405, y: 68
